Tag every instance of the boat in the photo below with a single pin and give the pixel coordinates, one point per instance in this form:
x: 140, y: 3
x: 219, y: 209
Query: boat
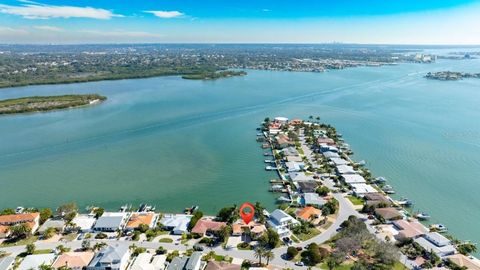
x: 19, y: 210
x: 270, y: 168
x: 146, y: 208
x: 361, y: 163
x: 190, y: 210
x: 438, y: 228
x: 265, y: 145
x: 405, y: 202
x: 388, y: 189
x: 125, y: 207
x: 267, y: 154
x: 269, y: 161
x: 283, y: 199
x: 380, y: 179
x: 422, y: 216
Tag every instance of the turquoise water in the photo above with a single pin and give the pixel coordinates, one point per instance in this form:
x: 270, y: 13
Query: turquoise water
x: 173, y: 143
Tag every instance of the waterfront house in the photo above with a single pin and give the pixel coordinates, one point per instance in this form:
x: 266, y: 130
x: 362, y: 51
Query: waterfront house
x: 281, y: 119
x: 84, y: 223
x: 57, y: 224
x: 376, y: 198
x: 362, y: 189
x: 207, y: 225
x: 143, y: 218
x: 345, y: 169
x: 283, y: 141
x: 328, y: 148
x: 256, y: 229
x: 300, y: 176
x: 330, y: 155
x: 32, y: 220
x: 194, y: 262
x: 409, y: 229
x: 111, y: 221
x: 177, y: 224
x: 281, y: 222
x: 325, y: 141
x: 110, y: 258
x: 6, y: 263
x: 436, y: 243
x: 295, y: 122
x: 306, y: 186
x: 294, y: 158
x: 308, y: 213
x: 388, y: 213
x: 294, y: 166
x: 313, y: 199
x: 146, y: 261
x: 464, y: 261
x: 339, y: 161
x: 35, y: 261
x: 350, y: 179
x: 74, y: 260
x: 290, y: 151
x: 214, y: 265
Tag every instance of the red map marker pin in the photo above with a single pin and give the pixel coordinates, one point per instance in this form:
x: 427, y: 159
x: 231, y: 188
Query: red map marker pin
x: 247, y: 211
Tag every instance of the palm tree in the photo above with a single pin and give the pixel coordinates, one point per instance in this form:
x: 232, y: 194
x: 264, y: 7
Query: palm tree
x: 20, y: 230
x: 99, y: 246
x: 269, y: 255
x: 258, y: 253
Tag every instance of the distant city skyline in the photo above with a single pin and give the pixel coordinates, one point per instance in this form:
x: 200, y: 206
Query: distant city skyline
x: 447, y: 22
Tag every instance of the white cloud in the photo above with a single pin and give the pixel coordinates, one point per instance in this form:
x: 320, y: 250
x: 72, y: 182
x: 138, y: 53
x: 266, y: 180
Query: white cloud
x: 9, y: 31
x: 32, y: 10
x: 166, y: 14
x: 122, y: 34
x: 48, y: 28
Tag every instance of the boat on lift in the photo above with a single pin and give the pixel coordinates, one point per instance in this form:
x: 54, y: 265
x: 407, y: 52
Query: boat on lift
x: 405, y: 202
x: 422, y: 216
x: 438, y: 228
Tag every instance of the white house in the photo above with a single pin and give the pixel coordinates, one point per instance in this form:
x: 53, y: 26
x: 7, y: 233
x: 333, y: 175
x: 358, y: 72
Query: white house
x: 6, y: 263
x: 111, y: 221
x: 144, y: 261
x: 345, y: 169
x: 84, y: 223
x: 300, y: 176
x: 361, y: 189
x: 178, y: 224
x: 437, y: 243
x: 281, y: 222
x: 353, y: 179
x: 293, y: 166
x: 34, y: 261
x: 110, y: 258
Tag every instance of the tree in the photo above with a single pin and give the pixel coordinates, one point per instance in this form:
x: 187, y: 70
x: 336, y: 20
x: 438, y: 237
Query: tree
x: 258, y: 253
x: 46, y: 267
x: 467, y: 248
x: 224, y: 233
x: 67, y: 211
x: 86, y: 245
x: 259, y: 212
x: 269, y: 255
x: 45, y: 214
x: 20, y: 230
x: 332, y: 263
x: 99, y: 246
x: 193, y: 221
x: 323, y: 191
x: 142, y: 228
x: 227, y: 214
x: 7, y: 211
x: 30, y: 248
x: 273, y: 238
x: 49, y: 233
x: 160, y: 250
x: 98, y: 211
x: 101, y: 236
x: 291, y: 252
x: 62, y: 249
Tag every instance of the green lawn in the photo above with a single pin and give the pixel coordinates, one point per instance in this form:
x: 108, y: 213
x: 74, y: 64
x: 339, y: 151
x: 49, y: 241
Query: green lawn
x: 165, y: 240
x: 340, y: 267
x: 399, y: 266
x: 70, y: 237
x: 356, y: 200
x: 42, y: 251
x: 305, y: 236
x: 21, y: 242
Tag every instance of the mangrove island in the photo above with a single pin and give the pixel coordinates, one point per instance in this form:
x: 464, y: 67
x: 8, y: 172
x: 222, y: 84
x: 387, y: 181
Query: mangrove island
x: 47, y: 103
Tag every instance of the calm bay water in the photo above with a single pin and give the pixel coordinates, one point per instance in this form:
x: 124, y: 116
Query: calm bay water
x: 173, y: 143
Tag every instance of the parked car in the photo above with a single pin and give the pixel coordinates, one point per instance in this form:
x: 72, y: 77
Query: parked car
x: 299, y: 263
x: 197, y: 248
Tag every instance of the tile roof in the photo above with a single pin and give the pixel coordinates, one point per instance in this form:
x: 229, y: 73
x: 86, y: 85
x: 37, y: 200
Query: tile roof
x: 308, y: 212
x: 204, y: 225
x: 18, y: 218
x: 388, y: 213
x: 74, y: 259
x: 138, y: 219
x: 214, y: 265
x: 464, y: 261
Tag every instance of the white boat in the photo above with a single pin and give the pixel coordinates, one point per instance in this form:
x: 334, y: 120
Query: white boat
x: 438, y: 228
x: 19, y: 210
x: 270, y: 168
x: 269, y: 161
x: 405, y: 202
x: 380, y: 179
x: 422, y: 216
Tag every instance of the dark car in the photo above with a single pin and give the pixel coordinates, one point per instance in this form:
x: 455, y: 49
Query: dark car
x: 197, y: 248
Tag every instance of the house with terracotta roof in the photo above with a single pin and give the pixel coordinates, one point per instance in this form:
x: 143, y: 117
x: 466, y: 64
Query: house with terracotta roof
x: 308, y: 213
x: 137, y: 219
x: 409, y: 229
x: 284, y: 141
x: 74, y: 260
x: 296, y: 122
x: 207, y: 225
x: 256, y: 229
x: 464, y: 261
x: 214, y: 265
x: 388, y: 213
x: 325, y: 141
x: 31, y: 219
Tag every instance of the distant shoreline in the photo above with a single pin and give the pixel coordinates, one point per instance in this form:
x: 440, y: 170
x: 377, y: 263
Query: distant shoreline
x: 36, y: 104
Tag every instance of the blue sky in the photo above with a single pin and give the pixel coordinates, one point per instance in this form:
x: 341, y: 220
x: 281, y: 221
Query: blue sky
x: 218, y: 21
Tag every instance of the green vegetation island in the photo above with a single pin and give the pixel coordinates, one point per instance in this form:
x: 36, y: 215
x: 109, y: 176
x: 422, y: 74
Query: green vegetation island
x: 214, y: 75
x: 451, y: 75
x: 47, y: 103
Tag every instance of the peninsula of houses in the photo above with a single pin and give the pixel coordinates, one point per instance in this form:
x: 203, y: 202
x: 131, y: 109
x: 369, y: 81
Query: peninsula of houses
x: 332, y: 214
